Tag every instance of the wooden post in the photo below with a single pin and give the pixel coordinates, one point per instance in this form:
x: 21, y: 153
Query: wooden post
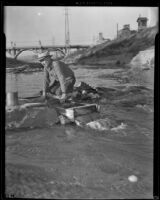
x: 12, y: 90
x: 12, y: 99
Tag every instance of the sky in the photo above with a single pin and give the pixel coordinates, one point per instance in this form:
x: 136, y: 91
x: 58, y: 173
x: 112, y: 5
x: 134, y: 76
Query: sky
x: 26, y: 25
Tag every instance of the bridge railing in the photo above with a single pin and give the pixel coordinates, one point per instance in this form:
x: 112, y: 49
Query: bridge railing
x: 48, y: 46
x: 16, y: 51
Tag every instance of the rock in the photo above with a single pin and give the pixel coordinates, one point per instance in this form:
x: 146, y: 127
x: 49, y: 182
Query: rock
x: 133, y: 178
x: 84, y: 92
x: 31, y: 117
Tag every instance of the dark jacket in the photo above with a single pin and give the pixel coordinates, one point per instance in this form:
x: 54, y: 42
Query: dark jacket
x: 58, y: 71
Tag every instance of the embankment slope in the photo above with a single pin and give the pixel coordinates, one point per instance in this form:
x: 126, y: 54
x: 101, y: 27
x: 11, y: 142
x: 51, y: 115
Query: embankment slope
x: 118, y: 51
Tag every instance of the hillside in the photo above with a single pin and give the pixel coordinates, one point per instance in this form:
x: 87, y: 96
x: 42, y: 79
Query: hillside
x: 118, y: 51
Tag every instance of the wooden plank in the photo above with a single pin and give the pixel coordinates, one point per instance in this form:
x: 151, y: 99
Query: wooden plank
x: 31, y: 97
x: 83, y: 110
x: 73, y: 112
x: 26, y: 105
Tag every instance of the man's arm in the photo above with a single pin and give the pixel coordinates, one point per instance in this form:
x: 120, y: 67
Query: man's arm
x: 60, y: 77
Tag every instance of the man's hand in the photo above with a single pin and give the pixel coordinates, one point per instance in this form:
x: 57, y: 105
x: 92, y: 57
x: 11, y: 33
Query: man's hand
x: 44, y: 94
x: 43, y: 98
x: 63, y: 98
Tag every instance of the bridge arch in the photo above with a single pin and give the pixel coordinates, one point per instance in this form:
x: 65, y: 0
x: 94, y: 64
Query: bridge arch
x: 20, y: 51
x: 53, y: 49
x: 62, y: 50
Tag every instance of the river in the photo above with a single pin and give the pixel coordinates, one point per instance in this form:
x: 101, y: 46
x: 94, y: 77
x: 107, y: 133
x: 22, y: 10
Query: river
x: 78, y: 162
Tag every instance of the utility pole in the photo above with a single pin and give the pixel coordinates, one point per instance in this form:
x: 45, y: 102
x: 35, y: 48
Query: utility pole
x: 67, y: 35
x: 53, y: 40
x: 117, y: 30
x: 40, y: 44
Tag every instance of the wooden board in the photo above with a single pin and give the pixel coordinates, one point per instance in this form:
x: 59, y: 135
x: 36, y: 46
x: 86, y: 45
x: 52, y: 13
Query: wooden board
x: 27, y: 105
x: 80, y: 110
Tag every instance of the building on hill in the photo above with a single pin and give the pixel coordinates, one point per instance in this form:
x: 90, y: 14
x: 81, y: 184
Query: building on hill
x: 133, y: 32
x: 142, y: 23
x: 125, y: 32
x: 101, y: 39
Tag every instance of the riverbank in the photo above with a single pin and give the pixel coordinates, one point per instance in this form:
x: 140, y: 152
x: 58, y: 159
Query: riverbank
x: 117, y: 51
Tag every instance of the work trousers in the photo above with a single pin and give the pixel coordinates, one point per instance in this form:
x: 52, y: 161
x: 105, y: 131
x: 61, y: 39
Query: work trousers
x: 56, y: 88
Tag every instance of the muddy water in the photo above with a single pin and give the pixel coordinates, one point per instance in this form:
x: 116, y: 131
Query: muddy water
x: 74, y: 162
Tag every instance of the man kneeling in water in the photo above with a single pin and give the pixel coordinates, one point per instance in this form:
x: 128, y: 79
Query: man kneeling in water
x: 59, y: 79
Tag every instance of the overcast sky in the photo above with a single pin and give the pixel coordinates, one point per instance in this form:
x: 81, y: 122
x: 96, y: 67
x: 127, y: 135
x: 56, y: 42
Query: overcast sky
x: 25, y: 25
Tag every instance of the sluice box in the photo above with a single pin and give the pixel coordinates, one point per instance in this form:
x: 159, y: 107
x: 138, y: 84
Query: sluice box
x: 77, y: 110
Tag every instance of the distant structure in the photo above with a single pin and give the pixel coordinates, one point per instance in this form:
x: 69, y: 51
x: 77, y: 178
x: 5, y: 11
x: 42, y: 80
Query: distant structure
x: 142, y: 23
x: 53, y: 40
x: 101, y: 39
x: 67, y: 34
x: 126, y: 32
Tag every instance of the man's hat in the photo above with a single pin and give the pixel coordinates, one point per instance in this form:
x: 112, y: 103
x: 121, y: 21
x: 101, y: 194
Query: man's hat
x: 43, y: 55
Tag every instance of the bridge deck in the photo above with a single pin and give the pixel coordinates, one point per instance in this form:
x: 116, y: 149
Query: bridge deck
x: 48, y: 47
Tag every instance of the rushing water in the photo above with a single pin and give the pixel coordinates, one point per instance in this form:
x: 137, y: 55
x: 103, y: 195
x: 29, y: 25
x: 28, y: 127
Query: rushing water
x: 75, y: 162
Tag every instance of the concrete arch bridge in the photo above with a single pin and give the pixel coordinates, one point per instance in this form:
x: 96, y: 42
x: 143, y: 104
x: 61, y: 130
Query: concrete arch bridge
x: 16, y: 51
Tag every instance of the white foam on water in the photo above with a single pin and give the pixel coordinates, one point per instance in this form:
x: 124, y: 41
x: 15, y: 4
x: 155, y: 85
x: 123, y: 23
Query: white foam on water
x: 122, y: 126
x: 101, y: 124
